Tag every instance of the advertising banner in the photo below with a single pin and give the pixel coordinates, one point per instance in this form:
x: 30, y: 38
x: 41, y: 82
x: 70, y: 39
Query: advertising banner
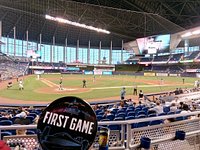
x: 151, y: 74
x: 98, y: 72
x: 107, y: 73
x: 162, y: 74
x: 88, y: 72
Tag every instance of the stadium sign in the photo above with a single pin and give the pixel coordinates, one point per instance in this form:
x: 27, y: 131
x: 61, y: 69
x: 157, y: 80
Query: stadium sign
x: 67, y: 123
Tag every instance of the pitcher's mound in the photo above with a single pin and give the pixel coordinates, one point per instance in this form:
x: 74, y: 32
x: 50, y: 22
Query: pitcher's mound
x: 56, y: 90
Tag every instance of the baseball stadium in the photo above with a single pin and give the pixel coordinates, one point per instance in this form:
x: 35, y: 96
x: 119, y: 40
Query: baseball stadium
x: 83, y: 74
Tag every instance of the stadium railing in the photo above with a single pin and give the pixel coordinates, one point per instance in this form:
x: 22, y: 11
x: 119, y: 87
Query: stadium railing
x: 129, y: 138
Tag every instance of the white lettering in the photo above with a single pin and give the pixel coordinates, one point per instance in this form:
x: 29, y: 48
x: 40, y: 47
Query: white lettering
x: 49, y: 118
x: 54, y: 118
x: 66, y: 118
x: 46, y: 116
x: 59, y: 123
x: 90, y: 129
x: 85, y: 126
x: 78, y: 126
x: 73, y: 124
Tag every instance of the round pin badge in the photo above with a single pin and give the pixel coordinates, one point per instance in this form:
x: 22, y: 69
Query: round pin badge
x: 67, y: 123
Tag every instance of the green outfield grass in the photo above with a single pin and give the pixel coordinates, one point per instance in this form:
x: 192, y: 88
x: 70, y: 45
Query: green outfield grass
x: 108, y: 86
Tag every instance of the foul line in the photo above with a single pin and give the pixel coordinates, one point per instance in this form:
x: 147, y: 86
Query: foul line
x: 49, y: 83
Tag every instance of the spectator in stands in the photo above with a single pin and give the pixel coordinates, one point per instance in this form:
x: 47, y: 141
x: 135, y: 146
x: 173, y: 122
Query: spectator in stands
x: 185, y: 109
x: 22, y: 113
x: 158, y: 108
x: 121, y: 104
x: 181, y: 105
x: 123, y: 93
x: 173, y: 107
x: 176, y: 92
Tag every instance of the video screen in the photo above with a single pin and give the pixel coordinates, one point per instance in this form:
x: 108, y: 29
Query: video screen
x: 154, y: 44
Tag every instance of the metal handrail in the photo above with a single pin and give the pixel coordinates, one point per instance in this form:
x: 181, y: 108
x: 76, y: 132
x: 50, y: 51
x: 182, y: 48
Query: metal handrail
x: 148, y: 119
x: 166, y: 139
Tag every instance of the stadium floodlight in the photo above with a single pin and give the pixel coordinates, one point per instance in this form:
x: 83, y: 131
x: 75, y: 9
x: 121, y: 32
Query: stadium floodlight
x: 61, y: 20
x: 186, y: 34
x: 196, y: 32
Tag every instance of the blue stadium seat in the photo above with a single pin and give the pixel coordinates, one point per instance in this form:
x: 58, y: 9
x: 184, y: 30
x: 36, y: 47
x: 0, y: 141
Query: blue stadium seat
x: 110, y: 117
x: 115, y: 127
x: 115, y: 110
x: 141, y: 116
x: 97, y: 111
x: 130, y: 108
x: 118, y: 118
x: 120, y: 111
x: 166, y: 109
x: 137, y: 110
x: 141, y: 124
x: 32, y: 114
x: 6, y: 133
x: 129, y: 117
x: 127, y: 111
x: 180, y: 118
x: 141, y: 113
x: 171, y: 113
x: 6, y: 123
x: 152, y: 115
x: 99, y: 117
x: 178, y: 111
x: 29, y: 132
x: 3, y: 118
x: 120, y: 115
x: 145, y: 109
x: 155, y: 122
x: 101, y: 113
x: 161, y: 114
x: 105, y: 119
x: 131, y: 114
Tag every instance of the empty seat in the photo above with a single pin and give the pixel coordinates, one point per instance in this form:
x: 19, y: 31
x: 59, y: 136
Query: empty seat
x: 6, y: 122
x: 5, y: 133
x: 155, y: 122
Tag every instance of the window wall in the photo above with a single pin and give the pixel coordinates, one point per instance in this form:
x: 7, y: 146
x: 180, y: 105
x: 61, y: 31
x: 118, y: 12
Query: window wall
x: 57, y: 52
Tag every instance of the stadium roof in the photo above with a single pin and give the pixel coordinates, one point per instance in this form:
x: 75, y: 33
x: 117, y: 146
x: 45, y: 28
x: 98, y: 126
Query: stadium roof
x: 125, y: 19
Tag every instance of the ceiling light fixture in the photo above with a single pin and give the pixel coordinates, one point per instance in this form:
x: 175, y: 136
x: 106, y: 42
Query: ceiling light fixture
x: 61, y: 20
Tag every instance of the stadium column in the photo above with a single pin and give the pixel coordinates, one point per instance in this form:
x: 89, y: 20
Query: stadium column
x: 14, y: 41
x: 53, y: 50
x: 110, y: 60
x: 77, y: 47
x: 7, y: 44
x: 99, y: 53
x: 0, y: 33
x: 88, y: 53
x: 27, y: 40
x: 122, y: 51
x: 186, y: 45
x: 64, y: 53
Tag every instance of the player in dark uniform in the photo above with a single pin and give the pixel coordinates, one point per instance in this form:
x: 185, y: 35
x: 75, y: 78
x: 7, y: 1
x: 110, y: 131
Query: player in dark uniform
x: 84, y: 83
x: 60, y: 83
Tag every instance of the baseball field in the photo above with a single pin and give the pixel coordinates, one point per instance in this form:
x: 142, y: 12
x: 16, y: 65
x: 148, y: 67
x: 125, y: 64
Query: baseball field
x: 46, y: 88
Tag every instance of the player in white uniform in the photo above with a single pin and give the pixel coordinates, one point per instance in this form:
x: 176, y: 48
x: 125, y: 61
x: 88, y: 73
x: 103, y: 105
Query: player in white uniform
x: 21, y: 86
